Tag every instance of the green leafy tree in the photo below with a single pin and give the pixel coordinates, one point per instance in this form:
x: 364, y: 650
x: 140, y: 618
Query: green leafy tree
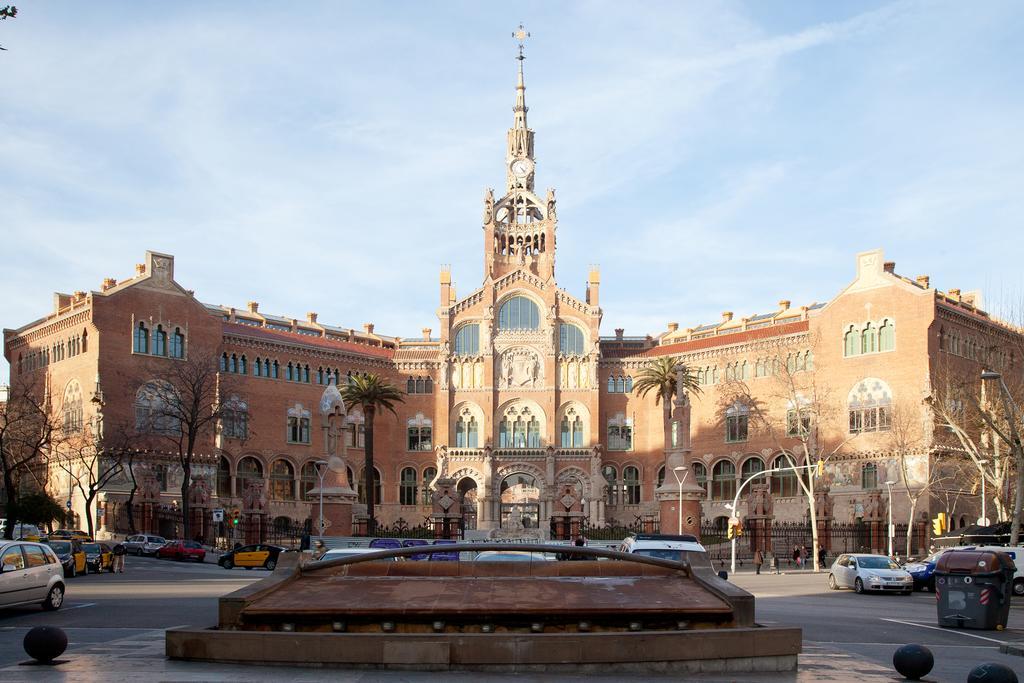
x: 371, y: 393
x: 661, y: 376
x: 39, y: 509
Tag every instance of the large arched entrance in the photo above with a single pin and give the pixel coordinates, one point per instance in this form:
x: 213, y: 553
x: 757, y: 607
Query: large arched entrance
x: 467, y: 496
x: 520, y: 501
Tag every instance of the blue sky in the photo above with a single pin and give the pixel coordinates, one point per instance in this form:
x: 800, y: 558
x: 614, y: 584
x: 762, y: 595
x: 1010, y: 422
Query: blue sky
x: 330, y: 156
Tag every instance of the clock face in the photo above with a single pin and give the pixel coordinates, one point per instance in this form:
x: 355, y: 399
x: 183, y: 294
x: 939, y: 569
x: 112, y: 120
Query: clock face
x: 521, y: 167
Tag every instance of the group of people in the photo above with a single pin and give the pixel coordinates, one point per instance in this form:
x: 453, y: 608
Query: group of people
x: 799, y: 556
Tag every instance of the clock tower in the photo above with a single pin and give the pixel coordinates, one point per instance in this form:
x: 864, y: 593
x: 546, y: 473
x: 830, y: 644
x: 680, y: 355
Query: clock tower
x: 519, y: 228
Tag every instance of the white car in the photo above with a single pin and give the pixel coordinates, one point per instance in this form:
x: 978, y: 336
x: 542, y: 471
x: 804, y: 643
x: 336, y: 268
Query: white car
x: 869, y: 573
x: 512, y: 556
x: 30, y: 574
x: 144, y: 544
x: 677, y: 547
x: 345, y: 553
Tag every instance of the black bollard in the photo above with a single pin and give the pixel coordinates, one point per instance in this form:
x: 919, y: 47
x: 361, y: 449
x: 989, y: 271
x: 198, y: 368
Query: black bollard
x: 992, y: 673
x: 724, y: 575
x: 45, y: 643
x: 913, y: 661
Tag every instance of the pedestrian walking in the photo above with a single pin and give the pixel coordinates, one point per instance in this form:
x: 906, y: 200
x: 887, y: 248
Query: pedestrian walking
x: 758, y: 561
x: 796, y: 556
x: 319, y: 549
x: 118, y: 558
x: 821, y: 556
x: 803, y: 557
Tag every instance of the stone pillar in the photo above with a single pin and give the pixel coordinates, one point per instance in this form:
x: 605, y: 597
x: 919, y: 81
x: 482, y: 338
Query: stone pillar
x: 149, y: 500
x: 875, y: 518
x: 447, y: 511
x: 677, y: 454
x: 823, y: 513
x: 338, y: 500
x: 758, y: 525
x: 198, y: 507
x: 254, y: 515
x: 567, y: 518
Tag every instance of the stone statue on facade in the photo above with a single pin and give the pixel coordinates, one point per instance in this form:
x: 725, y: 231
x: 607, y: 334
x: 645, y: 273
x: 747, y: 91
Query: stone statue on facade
x: 488, y: 206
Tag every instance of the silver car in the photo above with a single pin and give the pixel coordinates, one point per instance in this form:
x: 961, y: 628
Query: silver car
x: 869, y: 573
x: 144, y: 544
x: 30, y: 574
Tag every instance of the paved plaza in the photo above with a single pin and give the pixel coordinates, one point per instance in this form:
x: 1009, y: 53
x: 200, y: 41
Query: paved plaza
x: 115, y: 626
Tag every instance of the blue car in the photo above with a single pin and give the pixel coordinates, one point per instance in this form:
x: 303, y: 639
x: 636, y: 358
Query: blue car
x: 923, y: 571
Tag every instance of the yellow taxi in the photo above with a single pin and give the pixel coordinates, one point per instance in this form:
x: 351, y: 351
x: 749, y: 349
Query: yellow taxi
x: 249, y: 556
x: 71, y: 555
x: 98, y: 556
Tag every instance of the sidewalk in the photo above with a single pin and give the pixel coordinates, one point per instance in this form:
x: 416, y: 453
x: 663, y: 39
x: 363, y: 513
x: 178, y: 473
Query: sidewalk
x: 142, y: 655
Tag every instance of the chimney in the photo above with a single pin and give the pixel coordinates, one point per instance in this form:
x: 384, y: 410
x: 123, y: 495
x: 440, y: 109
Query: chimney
x: 672, y: 327
x: 784, y: 304
x: 426, y: 333
x: 109, y: 283
x: 254, y: 306
x: 140, y: 268
x: 923, y: 280
x: 954, y: 294
x: 79, y: 296
x: 619, y: 331
x: 726, y: 316
x: 368, y: 328
x: 311, y: 317
x: 889, y: 266
x: 593, y: 285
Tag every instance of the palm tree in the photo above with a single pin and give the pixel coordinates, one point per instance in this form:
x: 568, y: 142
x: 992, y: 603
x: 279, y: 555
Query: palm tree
x: 660, y: 375
x: 370, y: 392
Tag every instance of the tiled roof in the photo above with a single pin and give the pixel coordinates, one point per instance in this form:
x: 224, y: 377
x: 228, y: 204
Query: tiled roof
x: 727, y: 339
x: 294, y: 338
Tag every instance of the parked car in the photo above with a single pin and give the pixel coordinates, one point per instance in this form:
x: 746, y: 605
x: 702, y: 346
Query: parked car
x: 98, y: 556
x: 26, y: 532
x: 30, y: 573
x: 249, y: 556
x: 144, y: 544
x: 70, y: 533
x: 339, y: 553
x: 923, y: 571
x: 71, y: 555
x: 512, y: 556
x: 678, y: 547
x: 869, y: 573
x: 182, y: 550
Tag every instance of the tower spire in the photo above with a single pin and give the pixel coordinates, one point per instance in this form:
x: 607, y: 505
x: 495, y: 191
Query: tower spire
x: 521, y: 34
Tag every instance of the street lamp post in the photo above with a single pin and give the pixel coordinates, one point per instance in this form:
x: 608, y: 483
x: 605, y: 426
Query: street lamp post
x: 1018, y: 450
x: 675, y: 473
x: 983, y: 521
x: 890, y: 530
x: 321, y: 471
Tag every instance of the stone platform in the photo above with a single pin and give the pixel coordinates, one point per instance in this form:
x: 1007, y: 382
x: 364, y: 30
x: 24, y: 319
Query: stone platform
x: 608, y: 612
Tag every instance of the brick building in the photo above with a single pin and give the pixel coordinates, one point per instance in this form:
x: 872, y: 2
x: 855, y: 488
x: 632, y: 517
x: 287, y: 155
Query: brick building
x: 518, y: 399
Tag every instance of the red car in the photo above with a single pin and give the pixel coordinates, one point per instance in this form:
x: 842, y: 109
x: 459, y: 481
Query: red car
x: 182, y: 550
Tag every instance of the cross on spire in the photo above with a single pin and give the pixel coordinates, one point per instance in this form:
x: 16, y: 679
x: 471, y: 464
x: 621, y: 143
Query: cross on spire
x: 521, y: 34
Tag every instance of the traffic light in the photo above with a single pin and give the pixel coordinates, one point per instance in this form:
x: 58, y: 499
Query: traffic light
x: 735, y: 528
x: 939, y: 524
x: 821, y: 467
x: 236, y: 516
x: 731, y: 531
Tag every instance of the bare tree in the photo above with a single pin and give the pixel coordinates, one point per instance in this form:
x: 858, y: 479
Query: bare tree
x: 180, y: 404
x: 791, y: 384
x: 26, y: 432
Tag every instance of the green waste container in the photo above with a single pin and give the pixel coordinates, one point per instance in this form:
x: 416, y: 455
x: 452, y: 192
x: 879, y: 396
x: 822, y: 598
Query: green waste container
x: 973, y: 589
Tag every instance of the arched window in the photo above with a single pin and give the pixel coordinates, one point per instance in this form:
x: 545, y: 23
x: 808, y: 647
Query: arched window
x: 361, y: 487
x: 223, y: 478
x: 631, y: 485
x: 257, y: 367
x: 305, y: 374
x: 886, y: 336
x: 620, y: 433
x: 869, y: 404
x: 298, y: 425
x: 751, y: 466
x: 85, y: 340
x: 141, y: 344
x: 428, y: 386
x: 420, y: 386
x: 869, y: 339
x: 428, y: 477
x: 620, y: 385
x: 410, y: 386
x: 177, y: 344
x: 851, y: 342
x: 73, y: 418
x: 159, y: 341
x: 869, y: 476
x: 661, y: 476
x: 275, y: 371
x: 288, y: 372
x: 249, y: 469
x: 723, y: 481
x: 700, y: 475
x: 611, y: 384
x: 611, y: 476
x: 308, y: 480
x: 570, y: 340
x: 282, y: 480
x: 407, y: 486
x: 784, y: 483
x: 157, y: 409
x: 243, y: 365
x: 629, y: 384
x: 467, y: 430
x: 519, y: 313
x: 419, y: 431
x: 519, y: 428
x: 467, y: 340
x: 571, y: 429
